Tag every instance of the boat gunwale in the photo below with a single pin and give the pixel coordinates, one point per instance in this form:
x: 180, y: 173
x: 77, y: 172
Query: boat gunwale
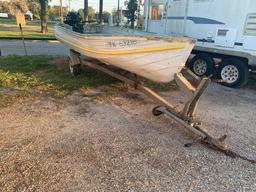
x: 127, y: 52
x: 167, y: 39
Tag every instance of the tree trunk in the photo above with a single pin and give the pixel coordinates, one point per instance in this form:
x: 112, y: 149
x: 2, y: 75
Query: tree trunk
x: 101, y: 12
x: 133, y: 20
x: 86, y: 18
x: 132, y: 24
x: 61, y: 12
x: 43, y: 16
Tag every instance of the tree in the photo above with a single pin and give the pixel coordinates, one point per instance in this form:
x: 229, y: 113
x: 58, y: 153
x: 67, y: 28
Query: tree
x: 91, y: 13
x: 105, y: 16
x: 4, y: 7
x: 101, y: 12
x: 15, y: 5
x: 34, y: 7
x: 43, y: 16
x: 54, y: 12
x: 74, y: 19
x: 81, y: 13
x: 132, y: 8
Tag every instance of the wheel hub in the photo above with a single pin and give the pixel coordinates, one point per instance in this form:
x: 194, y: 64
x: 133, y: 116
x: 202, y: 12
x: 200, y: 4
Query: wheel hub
x: 200, y: 67
x: 230, y: 74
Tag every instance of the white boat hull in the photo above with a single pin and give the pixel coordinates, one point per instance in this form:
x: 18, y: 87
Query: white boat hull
x: 157, y: 59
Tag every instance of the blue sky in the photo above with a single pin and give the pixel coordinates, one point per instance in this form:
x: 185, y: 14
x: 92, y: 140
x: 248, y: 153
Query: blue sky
x: 77, y: 4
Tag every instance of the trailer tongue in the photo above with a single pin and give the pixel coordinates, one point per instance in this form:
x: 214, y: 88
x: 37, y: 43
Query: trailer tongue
x: 185, y: 117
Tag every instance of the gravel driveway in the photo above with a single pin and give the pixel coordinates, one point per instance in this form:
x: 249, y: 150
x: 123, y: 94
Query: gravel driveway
x: 87, y: 142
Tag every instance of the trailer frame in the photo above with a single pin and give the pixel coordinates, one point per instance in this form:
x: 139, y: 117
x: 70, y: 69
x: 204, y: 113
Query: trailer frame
x: 185, y: 117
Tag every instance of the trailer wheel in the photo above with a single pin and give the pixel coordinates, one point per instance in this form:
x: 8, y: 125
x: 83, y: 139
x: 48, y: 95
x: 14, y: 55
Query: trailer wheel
x: 233, y: 72
x: 202, y: 64
x: 75, y: 70
x: 156, y: 112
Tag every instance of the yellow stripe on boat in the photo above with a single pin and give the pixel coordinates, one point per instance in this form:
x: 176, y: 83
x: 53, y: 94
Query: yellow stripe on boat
x: 133, y: 51
x: 136, y: 51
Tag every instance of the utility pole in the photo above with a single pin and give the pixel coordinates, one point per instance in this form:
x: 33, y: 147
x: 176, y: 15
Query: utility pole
x: 61, y: 12
x: 138, y: 10
x: 101, y: 12
x: 118, y: 10
x: 86, y: 19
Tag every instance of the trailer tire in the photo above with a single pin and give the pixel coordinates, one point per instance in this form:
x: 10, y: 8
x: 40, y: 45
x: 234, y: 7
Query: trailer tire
x: 75, y: 70
x: 234, y: 72
x: 156, y: 112
x: 202, y: 64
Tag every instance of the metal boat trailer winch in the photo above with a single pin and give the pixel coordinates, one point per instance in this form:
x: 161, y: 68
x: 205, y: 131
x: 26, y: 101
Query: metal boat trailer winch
x: 185, y: 117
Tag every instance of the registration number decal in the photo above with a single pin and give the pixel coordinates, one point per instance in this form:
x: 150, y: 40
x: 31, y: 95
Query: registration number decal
x: 122, y: 43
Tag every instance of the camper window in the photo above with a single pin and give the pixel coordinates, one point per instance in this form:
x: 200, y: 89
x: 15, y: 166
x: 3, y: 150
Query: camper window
x: 156, y: 9
x: 250, y: 27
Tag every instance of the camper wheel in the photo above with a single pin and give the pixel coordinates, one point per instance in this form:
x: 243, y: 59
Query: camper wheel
x: 234, y: 72
x: 202, y: 64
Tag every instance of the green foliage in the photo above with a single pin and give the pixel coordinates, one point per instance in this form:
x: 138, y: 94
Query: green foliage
x: 106, y: 16
x: 34, y: 7
x: 91, y: 13
x: 81, y: 13
x: 54, y: 12
x: 132, y: 8
x: 23, y: 5
x: 13, y: 6
x: 74, y: 19
x: 4, y: 8
x: 35, y: 74
x: 17, y: 80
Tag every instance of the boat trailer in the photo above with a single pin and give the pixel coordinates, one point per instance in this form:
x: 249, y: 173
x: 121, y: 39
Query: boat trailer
x: 185, y: 117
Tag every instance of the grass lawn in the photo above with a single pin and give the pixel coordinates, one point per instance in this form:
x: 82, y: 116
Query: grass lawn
x: 9, y: 29
x: 26, y: 76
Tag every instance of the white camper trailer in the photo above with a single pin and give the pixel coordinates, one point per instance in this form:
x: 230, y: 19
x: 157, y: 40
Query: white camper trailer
x: 223, y: 29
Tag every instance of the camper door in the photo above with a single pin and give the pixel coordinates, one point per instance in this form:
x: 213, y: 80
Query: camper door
x: 156, y: 20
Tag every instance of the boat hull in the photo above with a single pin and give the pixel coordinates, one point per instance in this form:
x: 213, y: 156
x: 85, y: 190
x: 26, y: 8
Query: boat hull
x: 157, y: 59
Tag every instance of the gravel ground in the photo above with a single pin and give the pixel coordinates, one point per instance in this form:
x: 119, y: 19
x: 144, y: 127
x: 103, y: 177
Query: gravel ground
x: 87, y: 142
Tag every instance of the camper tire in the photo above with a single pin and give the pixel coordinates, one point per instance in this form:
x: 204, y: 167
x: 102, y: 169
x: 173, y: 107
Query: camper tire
x: 233, y: 72
x: 202, y: 64
x: 75, y: 70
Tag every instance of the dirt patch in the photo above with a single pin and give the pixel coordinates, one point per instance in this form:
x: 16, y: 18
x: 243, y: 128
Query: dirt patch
x: 60, y: 62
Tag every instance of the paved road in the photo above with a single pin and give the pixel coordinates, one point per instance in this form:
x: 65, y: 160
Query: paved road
x: 34, y: 47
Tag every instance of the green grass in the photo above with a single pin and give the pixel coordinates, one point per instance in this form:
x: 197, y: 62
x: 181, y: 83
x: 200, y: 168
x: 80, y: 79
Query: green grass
x: 34, y: 74
x: 27, y: 76
x: 9, y: 29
